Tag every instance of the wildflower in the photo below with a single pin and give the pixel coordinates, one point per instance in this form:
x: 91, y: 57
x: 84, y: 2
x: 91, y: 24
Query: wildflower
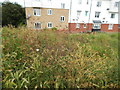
x: 37, y: 50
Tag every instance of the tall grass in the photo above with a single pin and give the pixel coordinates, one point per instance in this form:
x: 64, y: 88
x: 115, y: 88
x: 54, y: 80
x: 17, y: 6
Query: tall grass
x: 51, y: 59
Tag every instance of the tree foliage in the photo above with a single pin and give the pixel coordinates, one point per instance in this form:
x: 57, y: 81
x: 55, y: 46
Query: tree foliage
x: 13, y: 14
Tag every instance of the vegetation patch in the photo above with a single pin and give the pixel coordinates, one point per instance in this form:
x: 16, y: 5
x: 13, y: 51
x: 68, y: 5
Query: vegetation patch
x: 51, y: 59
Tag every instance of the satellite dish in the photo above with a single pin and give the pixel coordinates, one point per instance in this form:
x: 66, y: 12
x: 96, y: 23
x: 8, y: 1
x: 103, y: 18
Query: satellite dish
x: 28, y: 16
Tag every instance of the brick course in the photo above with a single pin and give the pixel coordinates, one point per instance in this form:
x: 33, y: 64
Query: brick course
x: 104, y: 27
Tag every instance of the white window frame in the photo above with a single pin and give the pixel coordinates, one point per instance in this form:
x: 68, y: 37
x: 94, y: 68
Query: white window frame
x: 96, y: 26
x: 77, y: 25
x: 78, y: 13
x: 99, y: 3
x: 110, y: 26
x: 38, y: 0
x: 61, y: 18
x: 79, y: 1
x: 38, y: 23
x: 116, y: 4
x: 63, y: 5
x: 87, y: 2
x: 97, y: 14
x: 86, y: 13
x: 49, y: 23
x: 38, y: 12
x: 84, y: 25
x: 49, y: 11
x: 113, y: 16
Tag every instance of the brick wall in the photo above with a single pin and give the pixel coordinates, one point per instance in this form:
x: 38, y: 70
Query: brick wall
x: 45, y: 18
x: 72, y: 27
x: 104, y: 27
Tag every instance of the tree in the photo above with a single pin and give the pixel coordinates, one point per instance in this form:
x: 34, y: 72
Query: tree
x: 0, y: 15
x: 12, y: 13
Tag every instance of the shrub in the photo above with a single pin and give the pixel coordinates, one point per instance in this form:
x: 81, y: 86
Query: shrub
x: 54, y: 29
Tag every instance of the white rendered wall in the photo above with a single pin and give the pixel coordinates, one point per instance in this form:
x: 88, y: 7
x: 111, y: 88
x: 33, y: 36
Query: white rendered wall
x: 104, y: 16
x: 47, y: 3
x: 104, y: 13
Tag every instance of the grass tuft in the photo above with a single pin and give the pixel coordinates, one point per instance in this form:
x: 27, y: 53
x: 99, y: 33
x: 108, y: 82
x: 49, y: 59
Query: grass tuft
x: 51, y: 59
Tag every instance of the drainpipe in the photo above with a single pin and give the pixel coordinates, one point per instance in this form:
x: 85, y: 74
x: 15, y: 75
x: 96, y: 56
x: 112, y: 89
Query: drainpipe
x: 25, y: 13
x: 70, y: 14
x: 90, y: 13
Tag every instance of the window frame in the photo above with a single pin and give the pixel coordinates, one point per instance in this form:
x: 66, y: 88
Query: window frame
x: 86, y: 14
x: 116, y: 4
x: 61, y: 18
x: 49, y: 23
x: 37, y: 13
x: 79, y: 13
x: 38, y: 0
x: 80, y: 2
x: 63, y: 5
x: 77, y: 25
x: 97, y: 14
x: 99, y: 3
x: 48, y: 11
x: 38, y: 27
x: 96, y: 26
x: 84, y: 25
x: 87, y: 2
x: 112, y: 16
x: 110, y: 27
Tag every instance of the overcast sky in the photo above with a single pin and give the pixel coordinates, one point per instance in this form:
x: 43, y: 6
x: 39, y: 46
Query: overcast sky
x: 21, y: 2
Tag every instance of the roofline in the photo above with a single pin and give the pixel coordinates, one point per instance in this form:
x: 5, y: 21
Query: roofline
x: 48, y: 8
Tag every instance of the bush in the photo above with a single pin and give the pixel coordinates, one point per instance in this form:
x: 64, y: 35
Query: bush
x: 54, y: 29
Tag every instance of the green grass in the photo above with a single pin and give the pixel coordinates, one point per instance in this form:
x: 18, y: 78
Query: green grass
x: 63, y: 60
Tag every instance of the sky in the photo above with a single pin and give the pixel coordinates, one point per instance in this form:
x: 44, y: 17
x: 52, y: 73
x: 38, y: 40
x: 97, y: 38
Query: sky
x: 21, y: 2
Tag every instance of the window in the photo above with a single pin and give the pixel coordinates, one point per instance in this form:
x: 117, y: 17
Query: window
x: 86, y: 13
x: 77, y: 25
x: 78, y: 13
x: 116, y: 4
x: 96, y: 26
x: 98, y: 4
x: 49, y: 12
x: 62, y: 5
x: 38, y: 0
x: 97, y: 14
x: 118, y: 25
x: 87, y: 2
x: 80, y: 1
x: 37, y: 25
x: 110, y: 26
x: 36, y: 12
x: 85, y: 25
x: 62, y: 19
x: 49, y: 25
x: 112, y: 15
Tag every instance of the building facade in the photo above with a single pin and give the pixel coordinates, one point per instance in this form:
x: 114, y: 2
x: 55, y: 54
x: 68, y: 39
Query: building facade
x: 42, y: 14
x: 94, y: 15
x: 75, y: 15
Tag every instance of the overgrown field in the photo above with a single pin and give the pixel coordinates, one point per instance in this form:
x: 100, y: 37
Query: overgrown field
x: 51, y: 59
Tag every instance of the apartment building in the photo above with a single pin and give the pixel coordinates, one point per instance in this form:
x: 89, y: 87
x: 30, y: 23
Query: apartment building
x: 48, y: 14
x: 75, y: 15
x: 94, y: 15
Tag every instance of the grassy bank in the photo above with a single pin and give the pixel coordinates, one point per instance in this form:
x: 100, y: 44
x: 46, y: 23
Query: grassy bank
x: 50, y: 59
